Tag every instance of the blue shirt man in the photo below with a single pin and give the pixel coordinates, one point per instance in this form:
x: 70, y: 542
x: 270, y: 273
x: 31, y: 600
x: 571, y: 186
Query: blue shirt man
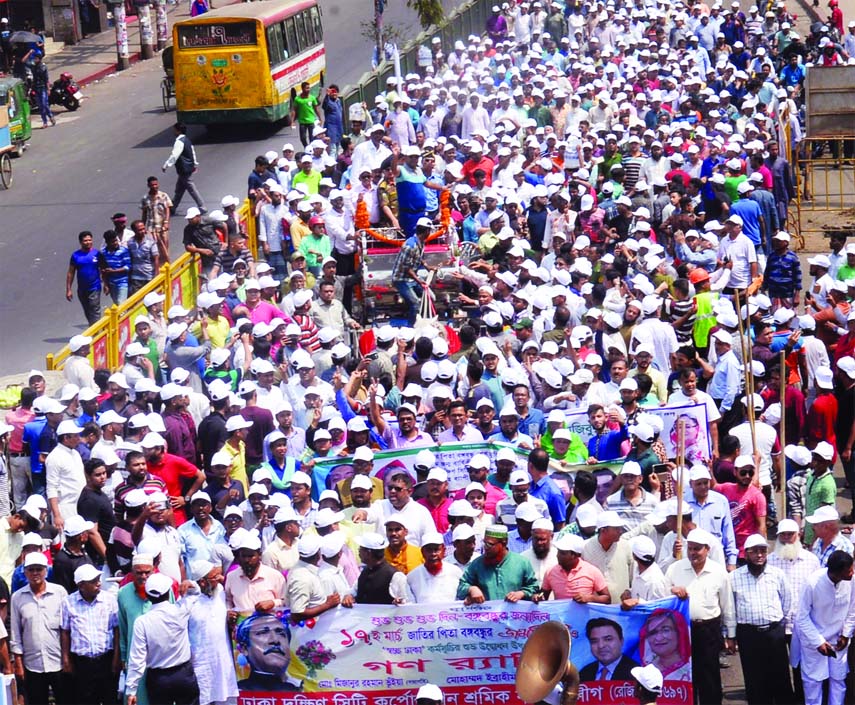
x: 711, y: 511
x: 86, y: 263
x: 544, y: 488
x: 751, y: 214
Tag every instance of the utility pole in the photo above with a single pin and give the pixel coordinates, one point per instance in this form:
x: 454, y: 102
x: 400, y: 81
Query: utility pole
x: 121, y: 24
x: 146, y: 33
x: 162, y: 22
x: 378, y: 28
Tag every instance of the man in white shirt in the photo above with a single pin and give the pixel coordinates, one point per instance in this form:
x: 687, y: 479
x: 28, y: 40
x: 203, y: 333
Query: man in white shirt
x: 824, y: 624
x: 797, y: 563
x: 542, y: 554
x: 648, y: 580
x: 612, y: 556
x: 160, y: 649
x: 655, y: 334
x: 435, y: 580
x: 369, y: 153
x: 330, y: 571
x: 767, y: 446
x: 77, y: 369
x: 210, y: 646
x: 306, y: 595
x: 704, y: 583
x: 738, y: 249
x: 416, y: 517
x: 64, y: 473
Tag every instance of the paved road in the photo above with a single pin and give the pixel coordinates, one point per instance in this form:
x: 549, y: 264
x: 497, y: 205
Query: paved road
x: 95, y: 162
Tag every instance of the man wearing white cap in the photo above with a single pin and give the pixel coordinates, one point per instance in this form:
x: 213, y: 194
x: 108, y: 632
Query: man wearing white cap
x: 762, y: 599
x: 726, y: 382
x: 200, y: 534
x: 826, y: 526
x: 213, y: 661
x: 306, y: 595
x: 77, y: 369
x: 35, y: 639
x: 89, y: 635
x: 648, y: 580
x: 632, y: 502
x: 612, y: 556
x: 434, y: 580
x: 704, y: 583
x: 255, y: 587
x: 64, y: 473
x: 160, y: 648
x: 823, y: 627
x: 821, y: 487
x: 795, y: 561
x: 573, y: 577
x: 711, y: 511
x: 748, y: 505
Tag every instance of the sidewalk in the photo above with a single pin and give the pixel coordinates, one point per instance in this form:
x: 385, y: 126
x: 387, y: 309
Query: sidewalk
x: 95, y: 57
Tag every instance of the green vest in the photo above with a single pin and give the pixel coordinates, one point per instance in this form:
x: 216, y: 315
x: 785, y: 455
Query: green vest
x: 704, y: 318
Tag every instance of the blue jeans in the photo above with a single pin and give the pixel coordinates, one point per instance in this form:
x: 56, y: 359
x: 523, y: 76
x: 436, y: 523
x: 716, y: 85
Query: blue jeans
x: 118, y: 292
x: 411, y: 293
x: 277, y: 261
x: 44, y: 105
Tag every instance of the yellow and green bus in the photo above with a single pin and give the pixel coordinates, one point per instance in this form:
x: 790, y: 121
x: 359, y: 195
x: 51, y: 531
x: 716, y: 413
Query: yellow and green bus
x: 245, y: 62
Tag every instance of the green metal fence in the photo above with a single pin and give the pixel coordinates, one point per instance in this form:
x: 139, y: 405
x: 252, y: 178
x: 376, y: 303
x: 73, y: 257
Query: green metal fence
x: 469, y: 18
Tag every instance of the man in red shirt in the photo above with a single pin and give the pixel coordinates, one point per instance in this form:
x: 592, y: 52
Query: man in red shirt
x: 437, y: 501
x: 477, y: 160
x: 747, y: 503
x: 176, y: 472
x: 822, y: 414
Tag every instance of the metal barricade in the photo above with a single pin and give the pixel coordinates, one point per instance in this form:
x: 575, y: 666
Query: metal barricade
x: 825, y: 184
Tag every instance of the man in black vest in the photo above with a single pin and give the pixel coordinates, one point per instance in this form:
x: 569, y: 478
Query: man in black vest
x: 183, y: 158
x: 379, y: 583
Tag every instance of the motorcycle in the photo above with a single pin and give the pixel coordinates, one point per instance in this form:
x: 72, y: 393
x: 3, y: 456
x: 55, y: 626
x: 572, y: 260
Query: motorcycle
x: 64, y: 92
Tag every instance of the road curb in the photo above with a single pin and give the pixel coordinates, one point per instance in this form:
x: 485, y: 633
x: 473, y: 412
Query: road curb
x: 106, y: 71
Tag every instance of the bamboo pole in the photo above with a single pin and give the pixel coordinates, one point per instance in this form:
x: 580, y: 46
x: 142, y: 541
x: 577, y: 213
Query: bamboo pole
x: 681, y: 463
x: 784, y: 375
x: 749, y: 378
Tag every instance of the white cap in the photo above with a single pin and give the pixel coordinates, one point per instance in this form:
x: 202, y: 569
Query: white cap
x: 462, y: 532
x: 755, y: 540
x: 649, y: 677
x: 823, y: 513
x: 372, y: 541
x: 701, y: 536
x: 643, y: 547
x: 37, y: 558
x: 786, y: 526
x: 308, y: 545
x: 68, y: 428
x: 824, y: 450
x: 430, y: 691
x: 570, y: 542
x: 158, y: 584
x: 85, y: 573
x: 610, y: 519
x: 76, y: 525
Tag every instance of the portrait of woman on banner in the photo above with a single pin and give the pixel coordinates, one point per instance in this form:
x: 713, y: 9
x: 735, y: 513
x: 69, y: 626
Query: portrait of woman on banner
x: 697, y: 445
x: 664, y: 642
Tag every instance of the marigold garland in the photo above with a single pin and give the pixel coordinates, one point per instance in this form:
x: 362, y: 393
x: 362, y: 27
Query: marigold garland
x: 362, y: 222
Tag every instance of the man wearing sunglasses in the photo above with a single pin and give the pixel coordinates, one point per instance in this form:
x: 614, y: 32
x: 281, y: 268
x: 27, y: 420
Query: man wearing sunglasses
x: 747, y: 503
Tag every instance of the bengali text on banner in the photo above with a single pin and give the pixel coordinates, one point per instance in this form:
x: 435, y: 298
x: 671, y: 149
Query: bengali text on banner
x: 379, y: 655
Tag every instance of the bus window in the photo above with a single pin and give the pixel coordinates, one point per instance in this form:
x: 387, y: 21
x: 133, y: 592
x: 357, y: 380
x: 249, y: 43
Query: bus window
x: 316, y: 21
x: 302, y: 35
x: 291, y: 42
x: 275, y: 49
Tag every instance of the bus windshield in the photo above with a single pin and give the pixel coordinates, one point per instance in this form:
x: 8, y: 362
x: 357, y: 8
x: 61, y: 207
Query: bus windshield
x: 216, y: 35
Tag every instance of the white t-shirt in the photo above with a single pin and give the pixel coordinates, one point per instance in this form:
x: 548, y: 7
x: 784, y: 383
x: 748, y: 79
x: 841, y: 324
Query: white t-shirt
x: 742, y: 253
x: 766, y: 438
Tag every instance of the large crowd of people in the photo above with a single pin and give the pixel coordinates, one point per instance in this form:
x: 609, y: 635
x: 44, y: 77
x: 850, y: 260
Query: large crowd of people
x: 617, y: 171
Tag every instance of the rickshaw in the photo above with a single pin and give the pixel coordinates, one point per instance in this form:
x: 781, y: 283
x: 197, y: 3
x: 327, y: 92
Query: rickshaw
x: 13, y: 95
x: 167, y: 85
x: 6, y: 148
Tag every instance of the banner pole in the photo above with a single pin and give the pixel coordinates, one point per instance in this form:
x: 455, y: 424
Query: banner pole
x: 681, y: 462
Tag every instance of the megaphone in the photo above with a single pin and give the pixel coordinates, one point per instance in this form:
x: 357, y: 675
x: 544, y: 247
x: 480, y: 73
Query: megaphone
x: 545, y: 662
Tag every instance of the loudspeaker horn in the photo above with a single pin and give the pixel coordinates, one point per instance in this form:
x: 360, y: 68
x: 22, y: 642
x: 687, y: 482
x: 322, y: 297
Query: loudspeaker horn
x: 544, y: 662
